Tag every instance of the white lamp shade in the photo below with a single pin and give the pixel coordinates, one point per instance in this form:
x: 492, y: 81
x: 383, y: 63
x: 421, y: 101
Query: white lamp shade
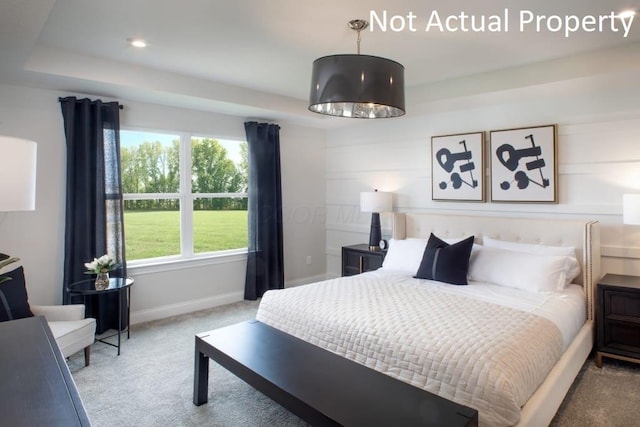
x: 375, y: 201
x: 631, y: 209
x: 17, y: 174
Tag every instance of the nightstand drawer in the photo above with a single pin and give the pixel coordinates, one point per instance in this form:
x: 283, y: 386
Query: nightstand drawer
x: 622, y: 336
x: 352, y: 259
x: 621, y: 304
x: 358, y: 259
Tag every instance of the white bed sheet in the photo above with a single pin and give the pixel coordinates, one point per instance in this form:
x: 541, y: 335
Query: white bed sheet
x: 370, y: 318
x: 566, y: 308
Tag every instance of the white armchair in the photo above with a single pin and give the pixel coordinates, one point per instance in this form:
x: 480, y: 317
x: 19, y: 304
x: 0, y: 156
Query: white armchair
x: 70, y: 328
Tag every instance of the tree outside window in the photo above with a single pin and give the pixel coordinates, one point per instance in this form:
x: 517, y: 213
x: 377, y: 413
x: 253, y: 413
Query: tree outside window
x: 169, y: 213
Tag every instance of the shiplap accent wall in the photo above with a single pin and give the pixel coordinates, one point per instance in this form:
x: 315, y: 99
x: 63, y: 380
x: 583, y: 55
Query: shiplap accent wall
x: 597, y: 147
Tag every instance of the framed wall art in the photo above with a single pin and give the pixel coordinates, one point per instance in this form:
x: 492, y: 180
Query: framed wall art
x: 457, y: 167
x: 524, y: 165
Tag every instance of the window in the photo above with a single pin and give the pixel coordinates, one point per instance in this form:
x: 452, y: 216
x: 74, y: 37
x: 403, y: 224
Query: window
x: 184, y: 195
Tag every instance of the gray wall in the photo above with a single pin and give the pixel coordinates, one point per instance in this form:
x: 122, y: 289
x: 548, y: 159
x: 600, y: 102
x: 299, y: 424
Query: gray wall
x: 37, y: 237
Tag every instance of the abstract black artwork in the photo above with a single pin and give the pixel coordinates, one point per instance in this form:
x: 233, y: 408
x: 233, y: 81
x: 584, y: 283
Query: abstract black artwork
x: 457, y: 167
x: 523, y: 165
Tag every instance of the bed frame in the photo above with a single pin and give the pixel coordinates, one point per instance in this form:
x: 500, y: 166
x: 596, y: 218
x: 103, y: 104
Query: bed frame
x: 543, y: 404
x: 583, y: 235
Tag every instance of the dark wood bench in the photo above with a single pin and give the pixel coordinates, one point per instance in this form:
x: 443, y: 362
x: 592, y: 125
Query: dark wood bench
x: 317, y: 385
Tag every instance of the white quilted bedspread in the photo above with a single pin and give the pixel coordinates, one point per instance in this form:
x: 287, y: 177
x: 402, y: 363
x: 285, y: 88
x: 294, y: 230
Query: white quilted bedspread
x: 479, y: 354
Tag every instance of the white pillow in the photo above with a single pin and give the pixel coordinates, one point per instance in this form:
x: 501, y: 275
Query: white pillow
x: 572, y: 267
x: 530, y: 272
x: 404, y: 255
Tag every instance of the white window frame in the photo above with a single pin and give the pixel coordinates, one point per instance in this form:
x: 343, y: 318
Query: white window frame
x: 186, y: 199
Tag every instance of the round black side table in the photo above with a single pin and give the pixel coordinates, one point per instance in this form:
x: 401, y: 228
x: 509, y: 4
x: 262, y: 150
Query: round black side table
x: 116, y: 284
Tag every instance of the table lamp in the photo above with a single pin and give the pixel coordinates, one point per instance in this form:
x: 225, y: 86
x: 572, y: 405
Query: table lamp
x: 17, y: 174
x: 375, y: 202
x: 631, y: 209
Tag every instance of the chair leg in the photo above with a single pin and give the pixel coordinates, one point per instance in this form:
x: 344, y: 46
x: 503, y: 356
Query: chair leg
x: 87, y: 355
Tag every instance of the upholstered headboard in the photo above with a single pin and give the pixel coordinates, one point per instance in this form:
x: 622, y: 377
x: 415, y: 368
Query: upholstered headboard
x: 583, y: 235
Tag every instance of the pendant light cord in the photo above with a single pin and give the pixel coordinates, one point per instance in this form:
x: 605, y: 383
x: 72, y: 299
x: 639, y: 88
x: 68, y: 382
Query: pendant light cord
x: 358, y: 25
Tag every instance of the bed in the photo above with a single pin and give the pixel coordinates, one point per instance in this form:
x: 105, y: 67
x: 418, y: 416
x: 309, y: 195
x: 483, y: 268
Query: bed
x: 335, y: 315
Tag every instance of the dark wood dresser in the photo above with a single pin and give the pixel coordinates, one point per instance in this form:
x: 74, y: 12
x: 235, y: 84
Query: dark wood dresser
x: 357, y: 259
x: 618, y: 318
x: 36, y: 387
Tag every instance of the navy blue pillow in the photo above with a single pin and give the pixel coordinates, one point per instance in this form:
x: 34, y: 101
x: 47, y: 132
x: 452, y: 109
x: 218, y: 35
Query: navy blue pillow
x: 444, y: 262
x: 14, y: 303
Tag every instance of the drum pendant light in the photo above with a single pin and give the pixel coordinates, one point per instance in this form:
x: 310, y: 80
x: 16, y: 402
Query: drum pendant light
x: 357, y: 86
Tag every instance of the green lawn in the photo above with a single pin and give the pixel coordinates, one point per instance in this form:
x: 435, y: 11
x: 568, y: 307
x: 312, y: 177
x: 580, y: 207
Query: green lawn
x: 157, y: 233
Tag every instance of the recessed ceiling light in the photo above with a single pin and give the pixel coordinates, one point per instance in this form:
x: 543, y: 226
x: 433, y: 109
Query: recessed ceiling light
x: 137, y: 42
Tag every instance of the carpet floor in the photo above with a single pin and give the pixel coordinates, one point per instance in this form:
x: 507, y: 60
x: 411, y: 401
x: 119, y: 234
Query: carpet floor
x: 151, y: 382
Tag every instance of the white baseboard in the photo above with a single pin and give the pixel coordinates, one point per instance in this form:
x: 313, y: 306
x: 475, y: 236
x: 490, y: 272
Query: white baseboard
x: 141, y: 316
x: 306, y: 280
x: 165, y: 311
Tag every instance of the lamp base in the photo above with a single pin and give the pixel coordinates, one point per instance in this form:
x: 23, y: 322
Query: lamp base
x: 375, y: 233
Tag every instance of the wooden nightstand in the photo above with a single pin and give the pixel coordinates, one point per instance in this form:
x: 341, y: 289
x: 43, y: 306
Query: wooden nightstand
x: 618, y: 318
x: 357, y: 259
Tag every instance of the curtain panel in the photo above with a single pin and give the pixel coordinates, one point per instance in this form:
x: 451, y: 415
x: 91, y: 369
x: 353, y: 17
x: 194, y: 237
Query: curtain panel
x: 94, y: 206
x: 265, y: 259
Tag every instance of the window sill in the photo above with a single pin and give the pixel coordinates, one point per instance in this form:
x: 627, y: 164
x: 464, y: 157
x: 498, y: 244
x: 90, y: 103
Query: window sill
x: 160, y: 265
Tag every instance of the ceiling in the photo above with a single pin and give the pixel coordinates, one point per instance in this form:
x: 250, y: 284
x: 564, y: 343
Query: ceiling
x: 253, y: 57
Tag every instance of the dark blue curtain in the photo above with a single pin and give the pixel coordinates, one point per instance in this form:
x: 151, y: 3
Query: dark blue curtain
x: 94, y: 207
x: 265, y: 261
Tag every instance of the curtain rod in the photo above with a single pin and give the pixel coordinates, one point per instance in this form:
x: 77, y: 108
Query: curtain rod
x: 120, y: 106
